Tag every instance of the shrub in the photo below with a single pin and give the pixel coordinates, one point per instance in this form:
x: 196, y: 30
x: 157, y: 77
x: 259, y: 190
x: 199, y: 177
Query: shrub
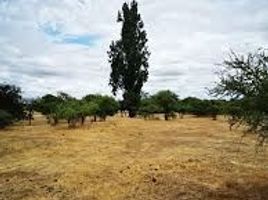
x: 11, y: 101
x: 107, y: 106
x: 6, y: 119
x: 166, y: 101
x: 148, y: 108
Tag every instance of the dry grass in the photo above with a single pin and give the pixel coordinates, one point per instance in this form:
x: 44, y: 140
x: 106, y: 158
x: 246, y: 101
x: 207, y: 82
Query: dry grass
x: 191, y: 158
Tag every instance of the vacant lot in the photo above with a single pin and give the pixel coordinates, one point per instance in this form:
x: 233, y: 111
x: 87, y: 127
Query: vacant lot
x: 191, y: 158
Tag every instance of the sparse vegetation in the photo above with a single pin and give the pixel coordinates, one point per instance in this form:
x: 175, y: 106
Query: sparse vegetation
x: 87, y: 151
x: 73, y: 111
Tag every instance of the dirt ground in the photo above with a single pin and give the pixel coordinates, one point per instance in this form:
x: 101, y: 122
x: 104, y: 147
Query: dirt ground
x: 191, y: 158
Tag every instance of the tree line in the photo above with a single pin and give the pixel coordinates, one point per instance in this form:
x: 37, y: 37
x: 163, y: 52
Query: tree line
x: 75, y: 111
x: 97, y: 107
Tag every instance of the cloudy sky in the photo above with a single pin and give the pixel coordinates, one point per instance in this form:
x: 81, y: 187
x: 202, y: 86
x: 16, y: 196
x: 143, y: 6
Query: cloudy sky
x: 48, y: 45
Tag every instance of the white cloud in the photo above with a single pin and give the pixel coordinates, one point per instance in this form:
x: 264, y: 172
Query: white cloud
x: 186, y: 39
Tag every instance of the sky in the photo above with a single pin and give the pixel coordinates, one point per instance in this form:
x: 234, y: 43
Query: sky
x: 48, y: 46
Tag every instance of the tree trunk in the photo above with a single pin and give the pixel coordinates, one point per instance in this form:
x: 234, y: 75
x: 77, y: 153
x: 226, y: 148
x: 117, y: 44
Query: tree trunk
x: 56, y: 121
x: 166, y: 116
x: 95, y: 118
x: 83, y: 120
x: 48, y: 119
x: 72, y: 123
x: 30, y: 117
x: 103, y: 118
x: 132, y: 113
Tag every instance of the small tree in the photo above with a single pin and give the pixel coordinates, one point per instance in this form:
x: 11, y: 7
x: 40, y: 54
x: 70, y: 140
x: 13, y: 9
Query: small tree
x: 11, y: 105
x: 129, y: 58
x: 148, y: 107
x: 182, y: 108
x: 213, y: 109
x: 201, y: 108
x: 11, y: 101
x: 95, y: 98
x: 107, y: 106
x: 245, y: 78
x: 87, y: 109
x: 47, y: 105
x: 6, y: 119
x: 70, y: 111
x: 167, y: 102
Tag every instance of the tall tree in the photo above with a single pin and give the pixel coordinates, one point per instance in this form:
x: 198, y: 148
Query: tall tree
x: 129, y: 58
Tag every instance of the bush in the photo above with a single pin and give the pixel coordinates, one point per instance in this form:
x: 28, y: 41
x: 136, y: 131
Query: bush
x: 201, y: 108
x: 6, y: 119
x: 107, y: 106
x: 68, y: 110
x: 166, y: 101
x: 87, y: 109
x: 148, y: 108
x: 11, y: 101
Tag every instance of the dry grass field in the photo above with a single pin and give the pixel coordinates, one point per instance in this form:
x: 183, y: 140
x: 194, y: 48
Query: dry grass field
x: 191, y: 158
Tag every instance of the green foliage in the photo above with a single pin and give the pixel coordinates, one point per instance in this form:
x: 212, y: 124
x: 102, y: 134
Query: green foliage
x: 88, y: 108
x: 201, y: 107
x: 11, y: 105
x: 148, y: 108
x: 11, y: 101
x: 108, y: 106
x: 245, y: 78
x: 68, y: 108
x: 182, y: 108
x: 233, y: 110
x: 129, y: 58
x: 6, y: 119
x: 62, y: 96
x: 167, y: 102
x: 92, y: 97
x: 47, y: 104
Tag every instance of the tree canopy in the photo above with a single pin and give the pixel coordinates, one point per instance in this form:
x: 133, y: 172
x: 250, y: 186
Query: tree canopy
x: 167, y: 102
x: 11, y: 105
x: 245, y: 78
x: 65, y: 107
x: 11, y: 100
